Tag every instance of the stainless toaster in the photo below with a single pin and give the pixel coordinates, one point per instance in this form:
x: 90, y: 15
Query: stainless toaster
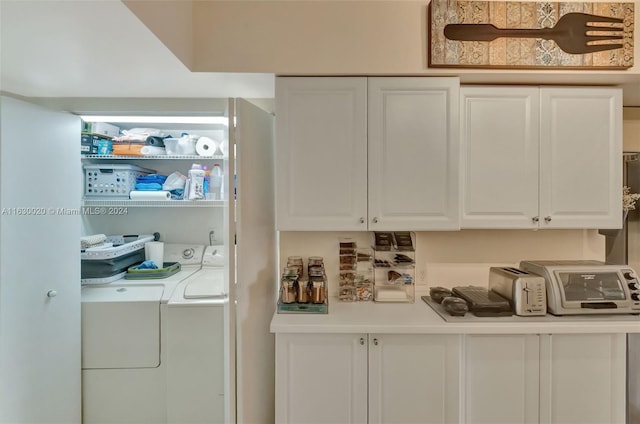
x: 526, y: 292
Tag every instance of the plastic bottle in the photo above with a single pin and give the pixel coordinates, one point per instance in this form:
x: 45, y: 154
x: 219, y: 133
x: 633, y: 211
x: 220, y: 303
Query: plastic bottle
x: 205, y: 186
x: 216, y: 182
x: 196, y: 185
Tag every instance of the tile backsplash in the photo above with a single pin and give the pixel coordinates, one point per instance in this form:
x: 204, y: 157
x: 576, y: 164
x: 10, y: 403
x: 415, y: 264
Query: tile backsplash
x: 449, y: 258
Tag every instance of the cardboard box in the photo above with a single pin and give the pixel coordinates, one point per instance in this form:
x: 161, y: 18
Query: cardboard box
x: 92, y: 144
x: 100, y: 128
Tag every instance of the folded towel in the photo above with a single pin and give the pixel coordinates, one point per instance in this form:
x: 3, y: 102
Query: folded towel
x: 152, y: 179
x: 92, y: 241
x: 148, y: 187
x: 146, y: 265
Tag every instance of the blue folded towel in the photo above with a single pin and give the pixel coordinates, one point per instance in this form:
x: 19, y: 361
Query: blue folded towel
x: 146, y: 265
x: 152, y: 178
x: 148, y: 186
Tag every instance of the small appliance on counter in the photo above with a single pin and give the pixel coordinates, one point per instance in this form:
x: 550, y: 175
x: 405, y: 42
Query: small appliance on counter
x: 480, y: 301
x: 587, y: 287
x: 483, y: 302
x: 526, y: 292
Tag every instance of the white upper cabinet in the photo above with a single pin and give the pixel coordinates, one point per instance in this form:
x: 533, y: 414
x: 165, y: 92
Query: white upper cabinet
x: 333, y: 175
x: 321, y: 153
x: 541, y: 157
x: 413, y: 153
x: 581, y: 157
x: 499, y: 139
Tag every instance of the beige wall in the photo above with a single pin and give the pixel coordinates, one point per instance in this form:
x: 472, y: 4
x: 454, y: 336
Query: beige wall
x: 450, y: 258
x: 631, y: 129
x: 300, y: 37
x: 171, y: 21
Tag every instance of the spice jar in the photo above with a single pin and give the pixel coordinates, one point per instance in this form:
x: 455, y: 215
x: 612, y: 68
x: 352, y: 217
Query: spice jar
x: 317, y: 292
x: 288, y: 290
x: 295, y: 262
x: 303, y: 291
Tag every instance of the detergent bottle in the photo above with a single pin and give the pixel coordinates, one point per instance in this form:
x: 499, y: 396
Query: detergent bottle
x: 196, y: 182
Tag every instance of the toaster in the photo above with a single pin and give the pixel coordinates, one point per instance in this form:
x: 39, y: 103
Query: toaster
x: 526, y: 292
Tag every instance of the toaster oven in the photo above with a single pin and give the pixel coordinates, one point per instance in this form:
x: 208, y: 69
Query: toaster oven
x: 587, y: 287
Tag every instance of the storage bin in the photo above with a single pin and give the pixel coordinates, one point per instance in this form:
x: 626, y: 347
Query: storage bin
x: 112, y: 181
x: 103, y: 265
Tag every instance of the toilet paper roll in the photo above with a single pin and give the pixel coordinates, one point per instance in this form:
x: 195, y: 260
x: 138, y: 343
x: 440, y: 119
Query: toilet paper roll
x: 205, y: 146
x: 149, y: 195
x: 154, y: 251
x: 153, y: 150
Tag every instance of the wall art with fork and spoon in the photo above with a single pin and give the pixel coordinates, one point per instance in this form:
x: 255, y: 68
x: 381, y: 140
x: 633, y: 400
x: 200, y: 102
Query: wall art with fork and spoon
x: 524, y: 35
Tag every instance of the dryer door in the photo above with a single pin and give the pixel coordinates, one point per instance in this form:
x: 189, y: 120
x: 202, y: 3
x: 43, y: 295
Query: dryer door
x: 121, y: 327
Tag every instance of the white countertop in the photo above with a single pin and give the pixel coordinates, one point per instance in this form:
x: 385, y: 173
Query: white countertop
x: 420, y: 318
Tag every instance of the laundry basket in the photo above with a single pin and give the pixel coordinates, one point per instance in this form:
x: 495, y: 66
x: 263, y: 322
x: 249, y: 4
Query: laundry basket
x: 105, y: 265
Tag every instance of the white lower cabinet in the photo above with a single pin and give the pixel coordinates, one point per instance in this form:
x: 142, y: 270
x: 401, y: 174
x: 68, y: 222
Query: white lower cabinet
x: 360, y: 378
x: 547, y: 379
x: 582, y: 378
x: 500, y: 383
x: 471, y: 379
x: 321, y: 378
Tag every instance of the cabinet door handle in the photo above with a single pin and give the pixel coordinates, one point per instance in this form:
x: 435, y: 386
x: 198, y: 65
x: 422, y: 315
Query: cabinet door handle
x: 547, y: 219
x: 375, y: 342
x: 52, y: 293
x: 375, y: 220
x: 362, y: 221
x: 362, y: 341
x: 535, y: 219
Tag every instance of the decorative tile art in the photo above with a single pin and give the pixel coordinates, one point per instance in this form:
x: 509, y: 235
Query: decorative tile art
x: 497, y: 34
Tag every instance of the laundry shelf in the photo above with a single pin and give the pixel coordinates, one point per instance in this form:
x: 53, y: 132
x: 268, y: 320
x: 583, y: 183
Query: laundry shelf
x: 152, y: 203
x: 156, y: 157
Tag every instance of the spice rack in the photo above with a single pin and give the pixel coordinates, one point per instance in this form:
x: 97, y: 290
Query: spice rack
x: 300, y: 293
x: 394, y: 266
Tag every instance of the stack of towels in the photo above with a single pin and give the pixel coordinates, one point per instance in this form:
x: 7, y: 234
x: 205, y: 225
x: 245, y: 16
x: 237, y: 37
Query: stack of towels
x: 149, y: 187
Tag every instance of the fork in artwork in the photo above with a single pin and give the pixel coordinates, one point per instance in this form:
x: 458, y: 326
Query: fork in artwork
x: 574, y: 33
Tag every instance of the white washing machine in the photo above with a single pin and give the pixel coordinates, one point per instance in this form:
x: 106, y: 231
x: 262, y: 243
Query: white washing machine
x: 141, y: 348
x: 196, y: 344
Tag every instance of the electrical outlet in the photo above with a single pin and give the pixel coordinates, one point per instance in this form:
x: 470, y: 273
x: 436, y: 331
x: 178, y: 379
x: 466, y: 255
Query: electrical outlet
x: 212, y: 236
x: 422, y: 275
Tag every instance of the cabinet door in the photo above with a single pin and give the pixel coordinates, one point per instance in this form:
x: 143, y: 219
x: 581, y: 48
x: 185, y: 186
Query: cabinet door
x: 39, y: 265
x: 413, y: 153
x: 581, y: 158
x: 321, y: 378
x: 413, y: 378
x: 499, y: 142
x: 582, y: 378
x: 500, y: 379
x: 321, y: 153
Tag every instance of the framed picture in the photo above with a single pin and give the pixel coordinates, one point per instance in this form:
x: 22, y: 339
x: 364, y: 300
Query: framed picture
x: 524, y: 35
